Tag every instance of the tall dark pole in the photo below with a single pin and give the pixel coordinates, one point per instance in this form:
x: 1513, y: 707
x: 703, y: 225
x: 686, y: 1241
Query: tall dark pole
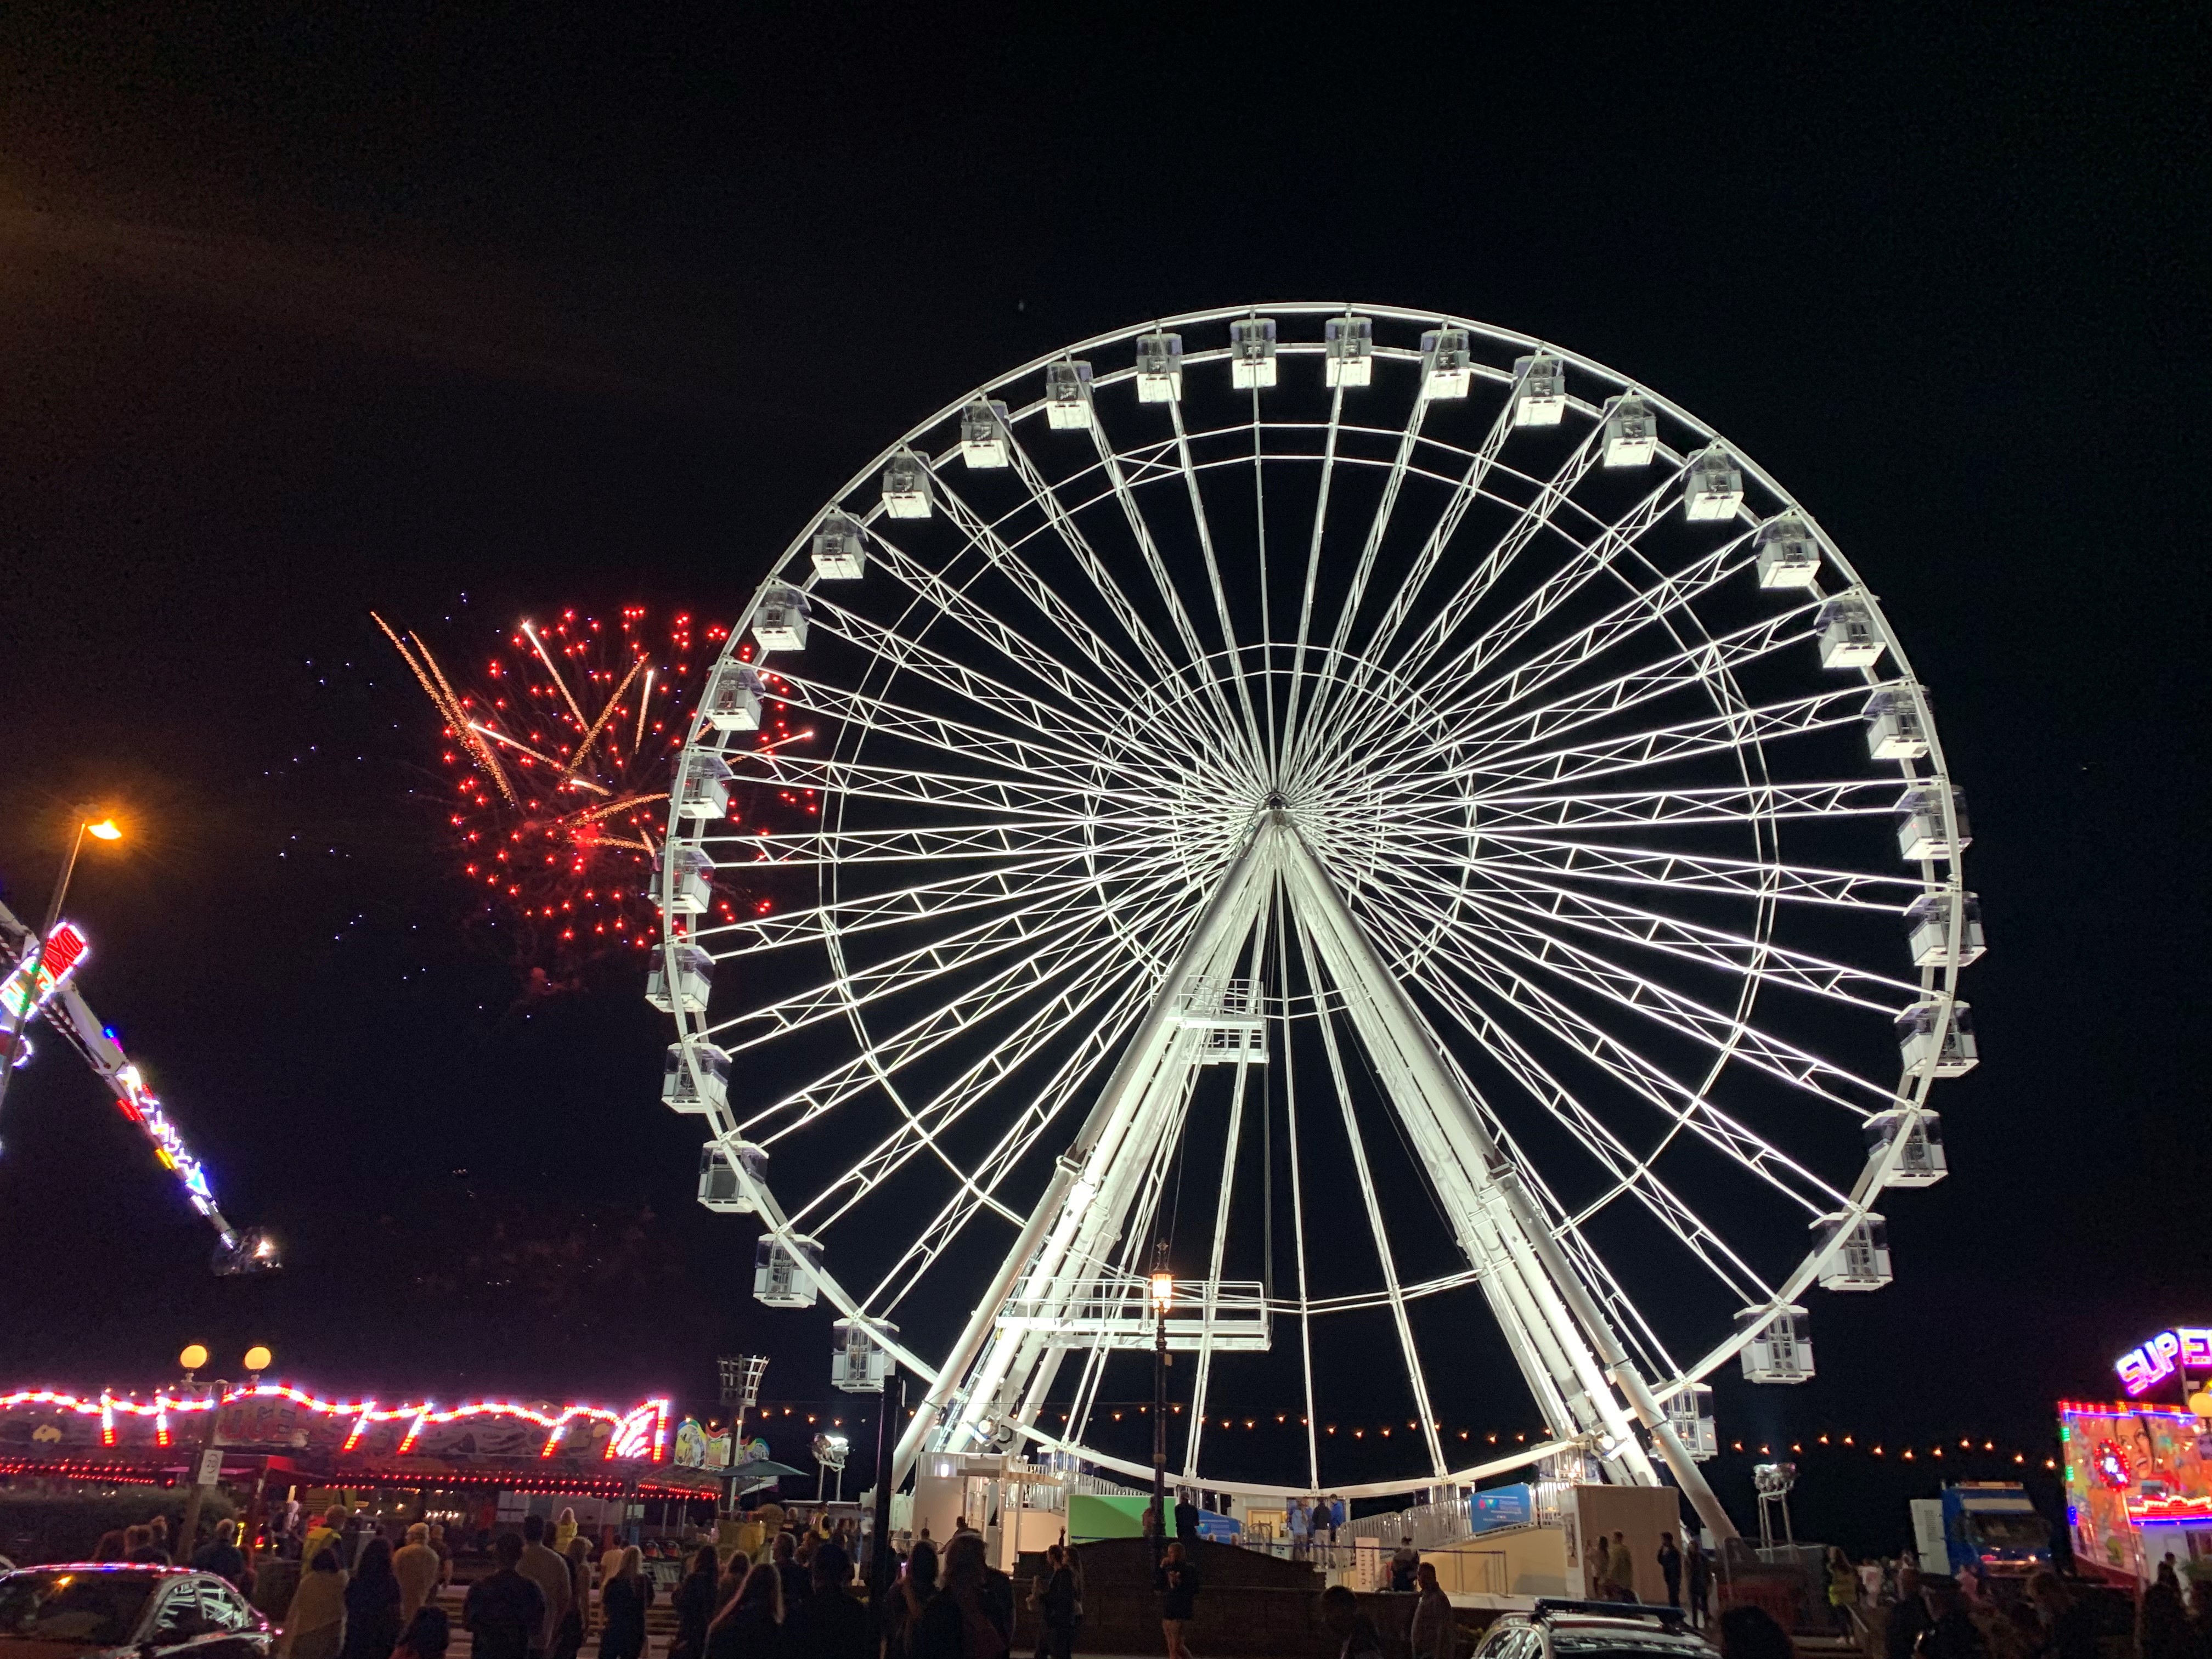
x: 1159, y: 1431
x: 196, y: 1491
x: 888, y: 1421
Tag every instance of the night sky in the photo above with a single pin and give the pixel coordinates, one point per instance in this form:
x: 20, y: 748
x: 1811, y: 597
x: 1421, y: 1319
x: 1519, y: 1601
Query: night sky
x: 317, y: 309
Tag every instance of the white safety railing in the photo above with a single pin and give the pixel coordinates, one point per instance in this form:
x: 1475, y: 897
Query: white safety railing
x: 1228, y: 1315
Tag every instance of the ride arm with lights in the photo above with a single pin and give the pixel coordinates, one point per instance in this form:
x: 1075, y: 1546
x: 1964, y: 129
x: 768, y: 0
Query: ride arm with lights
x: 66, y: 1013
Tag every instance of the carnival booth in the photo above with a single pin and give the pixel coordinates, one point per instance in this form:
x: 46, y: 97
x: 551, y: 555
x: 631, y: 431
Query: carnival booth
x: 2139, y: 1475
x: 470, y: 1465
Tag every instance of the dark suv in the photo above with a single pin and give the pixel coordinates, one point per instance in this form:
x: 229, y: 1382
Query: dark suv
x: 130, y: 1612
x: 1593, y: 1630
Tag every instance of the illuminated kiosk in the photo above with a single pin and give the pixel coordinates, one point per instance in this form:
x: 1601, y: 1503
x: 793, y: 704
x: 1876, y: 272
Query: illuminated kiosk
x: 470, y: 1463
x: 2139, y: 1475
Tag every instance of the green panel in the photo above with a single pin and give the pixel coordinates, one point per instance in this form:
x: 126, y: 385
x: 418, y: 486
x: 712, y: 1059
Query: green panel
x: 1092, y: 1516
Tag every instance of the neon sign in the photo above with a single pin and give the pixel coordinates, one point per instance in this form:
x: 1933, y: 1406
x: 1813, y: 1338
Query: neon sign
x: 65, y: 948
x: 639, y: 1435
x: 2185, y: 1347
x: 137, y: 1102
x: 2111, y: 1462
x: 2172, y: 1509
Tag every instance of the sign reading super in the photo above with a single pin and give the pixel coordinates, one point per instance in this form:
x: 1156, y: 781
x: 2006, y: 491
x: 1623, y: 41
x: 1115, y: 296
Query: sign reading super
x: 2185, y: 1347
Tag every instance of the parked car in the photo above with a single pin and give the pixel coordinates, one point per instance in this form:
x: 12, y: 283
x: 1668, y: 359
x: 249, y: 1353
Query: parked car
x: 129, y: 1611
x: 1593, y: 1630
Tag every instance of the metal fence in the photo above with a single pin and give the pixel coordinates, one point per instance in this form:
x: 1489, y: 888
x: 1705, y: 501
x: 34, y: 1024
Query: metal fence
x: 1431, y: 1526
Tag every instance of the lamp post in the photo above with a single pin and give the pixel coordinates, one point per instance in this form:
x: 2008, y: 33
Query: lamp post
x: 35, y: 952
x: 741, y: 1381
x: 889, y: 1420
x: 202, y: 1475
x: 1163, y: 1296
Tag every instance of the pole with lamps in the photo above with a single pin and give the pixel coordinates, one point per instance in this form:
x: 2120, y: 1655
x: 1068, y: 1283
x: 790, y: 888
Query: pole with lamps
x: 1163, y: 1296
x: 207, y: 1456
x: 200, y: 1476
x: 35, y: 950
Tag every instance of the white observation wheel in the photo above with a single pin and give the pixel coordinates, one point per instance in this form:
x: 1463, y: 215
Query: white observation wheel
x: 1392, y: 817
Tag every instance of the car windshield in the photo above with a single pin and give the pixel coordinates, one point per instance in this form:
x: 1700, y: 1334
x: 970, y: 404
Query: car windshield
x: 94, y: 1609
x: 2010, y: 1532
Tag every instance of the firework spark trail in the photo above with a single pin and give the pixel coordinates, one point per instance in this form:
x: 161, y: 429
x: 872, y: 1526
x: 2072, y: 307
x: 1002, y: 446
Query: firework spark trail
x: 644, y: 703
x: 441, y: 698
x: 482, y: 750
x: 570, y: 883
x: 555, y: 673
x: 592, y: 737
x: 543, y: 760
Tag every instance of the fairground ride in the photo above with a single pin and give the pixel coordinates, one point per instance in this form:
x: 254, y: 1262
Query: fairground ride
x: 46, y: 990
x: 1415, y: 788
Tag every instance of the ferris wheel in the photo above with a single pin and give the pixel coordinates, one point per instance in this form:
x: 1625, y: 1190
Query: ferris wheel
x: 1387, y: 821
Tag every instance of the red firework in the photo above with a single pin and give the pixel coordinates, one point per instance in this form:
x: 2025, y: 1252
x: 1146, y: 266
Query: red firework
x: 561, y: 755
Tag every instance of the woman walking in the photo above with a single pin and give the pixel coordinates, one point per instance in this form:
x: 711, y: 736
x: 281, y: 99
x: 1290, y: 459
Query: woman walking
x: 1843, y: 1588
x: 621, y: 1607
x: 1178, y: 1583
x: 372, y: 1604
x: 972, y: 1615
x: 695, y: 1603
x: 576, y: 1622
x: 314, y: 1626
x: 910, y: 1598
x: 1055, y: 1605
x: 750, y: 1624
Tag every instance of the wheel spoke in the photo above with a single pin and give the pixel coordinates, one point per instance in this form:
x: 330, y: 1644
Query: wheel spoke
x: 1643, y: 1079
x: 1372, y: 1205
x: 1517, y: 936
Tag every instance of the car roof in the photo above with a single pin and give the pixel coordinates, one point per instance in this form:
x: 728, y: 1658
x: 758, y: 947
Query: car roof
x: 142, y: 1569
x: 1653, y: 1627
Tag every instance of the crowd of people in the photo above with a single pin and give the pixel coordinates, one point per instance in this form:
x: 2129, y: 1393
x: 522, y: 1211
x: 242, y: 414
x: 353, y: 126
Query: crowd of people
x: 1314, y: 1523
x: 361, y: 1596
x: 1676, y: 1577
x: 549, y: 1595
x: 148, y: 1544
x: 1916, y: 1615
x: 358, y: 1597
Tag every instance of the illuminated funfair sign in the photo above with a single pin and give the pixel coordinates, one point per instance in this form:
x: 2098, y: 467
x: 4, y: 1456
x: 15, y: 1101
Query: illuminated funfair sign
x: 2184, y: 1348
x: 137, y: 1102
x: 21, y: 1000
x: 48, y: 1423
x: 2133, y: 1470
